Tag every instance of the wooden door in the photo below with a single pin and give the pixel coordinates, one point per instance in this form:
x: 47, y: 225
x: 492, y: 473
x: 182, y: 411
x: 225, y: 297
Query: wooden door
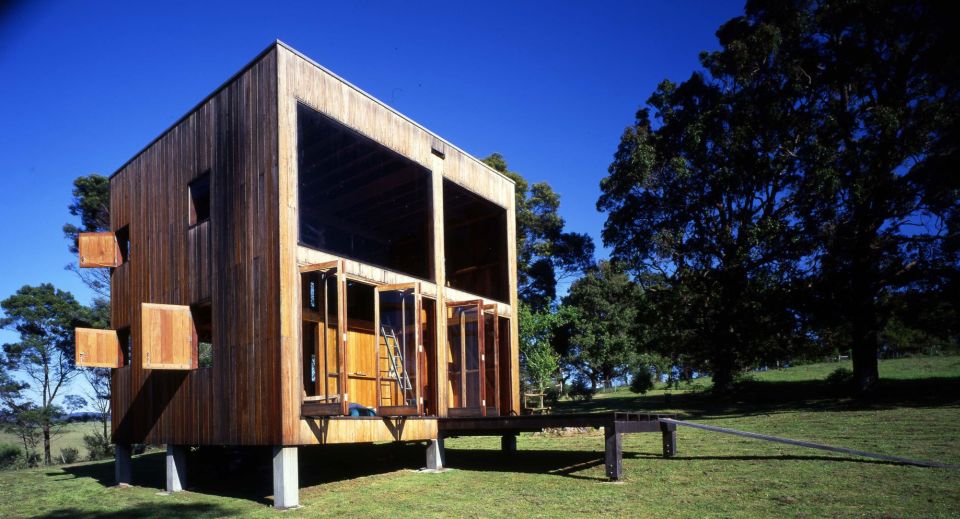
x: 399, y: 340
x: 465, y: 373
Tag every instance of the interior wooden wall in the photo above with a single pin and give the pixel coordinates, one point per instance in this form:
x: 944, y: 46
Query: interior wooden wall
x: 231, y: 261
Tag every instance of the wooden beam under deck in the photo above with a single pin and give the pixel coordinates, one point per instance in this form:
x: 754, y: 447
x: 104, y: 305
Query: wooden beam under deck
x: 614, y: 425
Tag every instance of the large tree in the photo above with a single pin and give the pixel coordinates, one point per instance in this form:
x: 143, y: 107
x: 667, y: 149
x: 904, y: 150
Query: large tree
x: 882, y: 184
x: 91, y: 203
x: 820, y: 138
x: 700, y: 199
x: 45, y: 318
x: 546, y: 254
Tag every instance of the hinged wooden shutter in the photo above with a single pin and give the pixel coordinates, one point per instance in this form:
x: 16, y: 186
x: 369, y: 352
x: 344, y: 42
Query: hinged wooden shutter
x: 99, y: 249
x: 98, y: 348
x: 169, y: 337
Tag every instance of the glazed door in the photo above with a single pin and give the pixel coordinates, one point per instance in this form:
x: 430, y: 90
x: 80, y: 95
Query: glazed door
x: 491, y: 361
x: 322, y: 347
x: 399, y: 340
x: 465, y: 373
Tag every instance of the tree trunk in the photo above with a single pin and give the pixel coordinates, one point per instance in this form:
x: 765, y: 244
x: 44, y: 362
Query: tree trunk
x: 866, y: 344
x: 26, y: 448
x: 722, y: 362
x: 722, y: 373
x: 47, y: 458
x: 864, y: 323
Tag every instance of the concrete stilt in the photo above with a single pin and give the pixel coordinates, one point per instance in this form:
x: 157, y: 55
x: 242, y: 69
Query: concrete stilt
x: 508, y: 443
x: 286, y: 478
x: 123, y: 464
x: 176, y: 468
x: 435, y: 456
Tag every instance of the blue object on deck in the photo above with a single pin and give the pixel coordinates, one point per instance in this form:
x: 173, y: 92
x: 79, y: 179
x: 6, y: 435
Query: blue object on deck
x: 359, y: 410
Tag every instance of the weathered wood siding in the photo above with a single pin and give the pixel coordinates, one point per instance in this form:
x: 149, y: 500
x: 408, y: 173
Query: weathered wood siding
x: 232, y: 262
x: 245, y: 260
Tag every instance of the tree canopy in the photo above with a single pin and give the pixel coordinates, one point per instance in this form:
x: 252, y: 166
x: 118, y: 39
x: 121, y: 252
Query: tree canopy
x: 546, y: 253
x: 604, y: 335
x: 45, y: 318
x: 785, y: 191
x: 91, y: 203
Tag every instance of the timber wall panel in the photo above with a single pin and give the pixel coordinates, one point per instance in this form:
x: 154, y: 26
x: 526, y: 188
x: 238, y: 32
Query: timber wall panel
x: 98, y: 348
x: 231, y: 261
x: 365, y: 430
x: 169, y: 337
x: 98, y: 249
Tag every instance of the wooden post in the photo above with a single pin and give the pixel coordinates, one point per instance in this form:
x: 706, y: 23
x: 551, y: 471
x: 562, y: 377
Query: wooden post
x: 176, y: 468
x: 508, y: 443
x: 286, y: 478
x: 122, y: 464
x: 669, y: 439
x: 435, y: 454
x: 613, y: 451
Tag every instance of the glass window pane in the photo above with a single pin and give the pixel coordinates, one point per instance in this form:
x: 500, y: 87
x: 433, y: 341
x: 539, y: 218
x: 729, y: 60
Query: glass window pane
x: 361, y: 200
x: 398, y: 347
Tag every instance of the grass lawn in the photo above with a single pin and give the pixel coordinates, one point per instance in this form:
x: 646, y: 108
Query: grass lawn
x: 916, y: 413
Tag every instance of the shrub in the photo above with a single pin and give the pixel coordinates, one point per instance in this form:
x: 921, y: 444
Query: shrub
x: 551, y: 396
x: 581, y: 390
x: 69, y: 455
x: 98, y: 445
x: 9, y: 456
x: 642, y: 381
x: 33, y: 460
x: 840, y: 377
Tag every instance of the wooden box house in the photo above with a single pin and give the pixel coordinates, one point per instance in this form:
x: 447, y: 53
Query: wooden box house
x: 295, y: 263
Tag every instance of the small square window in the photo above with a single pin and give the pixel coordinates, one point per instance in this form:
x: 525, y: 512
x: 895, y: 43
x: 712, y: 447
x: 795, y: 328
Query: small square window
x: 203, y: 321
x: 123, y: 241
x: 126, y: 344
x: 200, y: 199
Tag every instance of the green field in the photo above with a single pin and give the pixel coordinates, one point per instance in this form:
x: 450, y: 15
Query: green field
x: 916, y: 413
x: 71, y: 435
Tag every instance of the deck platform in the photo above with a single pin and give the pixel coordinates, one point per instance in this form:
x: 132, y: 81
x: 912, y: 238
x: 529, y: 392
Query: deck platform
x: 614, y: 425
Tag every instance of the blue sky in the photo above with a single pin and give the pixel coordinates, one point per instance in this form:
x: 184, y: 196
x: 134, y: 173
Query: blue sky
x: 550, y: 85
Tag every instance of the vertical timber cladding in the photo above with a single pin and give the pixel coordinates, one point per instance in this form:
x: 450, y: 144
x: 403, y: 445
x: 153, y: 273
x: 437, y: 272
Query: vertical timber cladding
x: 302, y: 81
x: 232, y: 134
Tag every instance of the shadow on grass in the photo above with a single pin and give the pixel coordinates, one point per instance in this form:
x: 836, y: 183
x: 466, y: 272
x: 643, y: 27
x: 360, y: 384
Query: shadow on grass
x: 246, y: 473
x: 759, y: 397
x: 566, y: 463
x: 144, y: 511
